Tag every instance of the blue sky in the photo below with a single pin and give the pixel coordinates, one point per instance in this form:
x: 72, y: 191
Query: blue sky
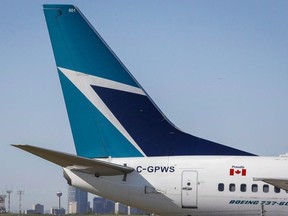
x: 217, y: 69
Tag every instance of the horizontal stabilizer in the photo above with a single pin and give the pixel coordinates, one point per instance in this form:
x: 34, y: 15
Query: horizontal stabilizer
x: 80, y: 164
x: 277, y: 182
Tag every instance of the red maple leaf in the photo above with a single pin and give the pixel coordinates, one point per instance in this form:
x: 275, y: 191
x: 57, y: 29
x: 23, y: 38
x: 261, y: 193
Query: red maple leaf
x: 237, y: 172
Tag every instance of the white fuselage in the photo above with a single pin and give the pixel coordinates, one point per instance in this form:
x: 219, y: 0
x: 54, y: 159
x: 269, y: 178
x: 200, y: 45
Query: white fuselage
x: 194, y: 185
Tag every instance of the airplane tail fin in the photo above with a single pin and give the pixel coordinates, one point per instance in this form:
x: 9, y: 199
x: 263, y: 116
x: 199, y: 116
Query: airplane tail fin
x: 109, y: 112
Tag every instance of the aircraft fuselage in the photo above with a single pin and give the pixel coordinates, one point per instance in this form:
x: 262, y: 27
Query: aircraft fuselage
x: 194, y: 185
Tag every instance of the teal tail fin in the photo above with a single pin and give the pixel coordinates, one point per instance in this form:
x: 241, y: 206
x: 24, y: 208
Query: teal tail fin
x: 109, y: 113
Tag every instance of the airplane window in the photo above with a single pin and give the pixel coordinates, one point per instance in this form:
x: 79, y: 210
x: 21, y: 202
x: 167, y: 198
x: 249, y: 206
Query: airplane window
x: 254, y: 188
x: 232, y: 187
x: 220, y: 187
x: 276, y: 190
x: 265, y: 188
x: 243, y: 187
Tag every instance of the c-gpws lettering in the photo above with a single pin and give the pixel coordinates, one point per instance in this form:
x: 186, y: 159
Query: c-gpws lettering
x: 155, y: 169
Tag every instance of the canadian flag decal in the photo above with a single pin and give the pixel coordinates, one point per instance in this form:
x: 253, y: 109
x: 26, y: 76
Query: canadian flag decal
x: 238, y: 170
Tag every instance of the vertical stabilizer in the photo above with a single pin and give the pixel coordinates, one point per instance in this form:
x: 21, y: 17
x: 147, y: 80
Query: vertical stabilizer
x: 110, y: 114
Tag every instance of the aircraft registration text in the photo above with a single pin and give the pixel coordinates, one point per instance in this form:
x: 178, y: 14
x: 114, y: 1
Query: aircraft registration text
x: 156, y: 169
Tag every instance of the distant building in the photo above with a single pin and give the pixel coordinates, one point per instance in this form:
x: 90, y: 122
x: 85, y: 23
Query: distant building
x: 103, y: 206
x: 72, y: 207
x: 56, y: 211
x: 36, y: 209
x: 77, y: 201
x: 89, y: 207
x: 2, y: 204
x: 120, y: 208
x: 134, y: 211
x: 39, y: 209
x: 30, y: 211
